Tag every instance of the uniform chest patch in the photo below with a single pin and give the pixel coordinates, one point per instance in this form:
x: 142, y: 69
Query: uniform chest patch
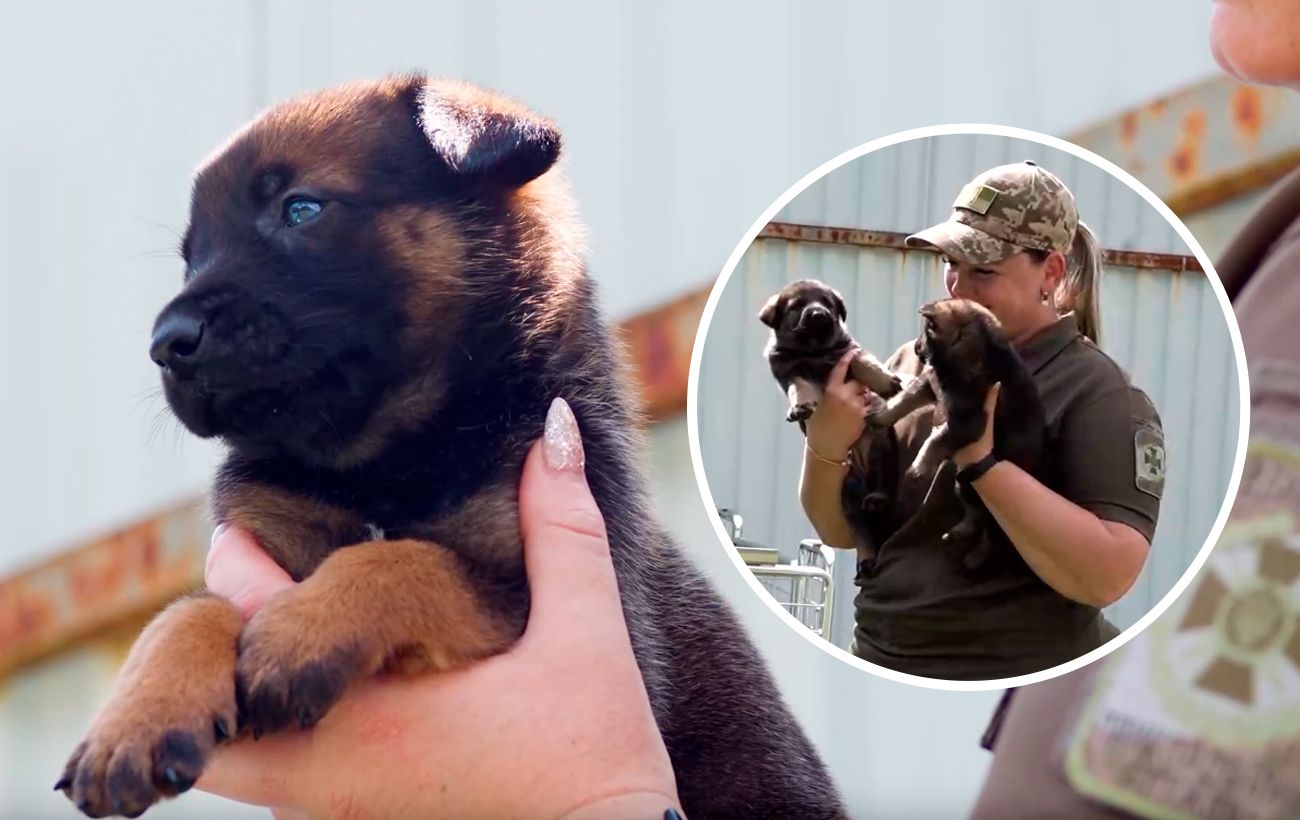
x: 1149, y: 449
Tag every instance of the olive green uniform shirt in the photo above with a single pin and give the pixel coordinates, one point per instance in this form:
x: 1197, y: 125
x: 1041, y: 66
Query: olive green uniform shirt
x: 918, y: 611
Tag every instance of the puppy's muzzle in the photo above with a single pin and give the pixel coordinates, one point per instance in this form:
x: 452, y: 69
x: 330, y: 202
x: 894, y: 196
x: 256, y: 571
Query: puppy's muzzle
x: 177, y: 344
x: 221, y: 341
x: 815, y: 320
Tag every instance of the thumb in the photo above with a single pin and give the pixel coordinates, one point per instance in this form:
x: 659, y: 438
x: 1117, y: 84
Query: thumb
x: 840, y: 372
x: 566, y: 551
x: 238, y: 570
x: 991, y: 403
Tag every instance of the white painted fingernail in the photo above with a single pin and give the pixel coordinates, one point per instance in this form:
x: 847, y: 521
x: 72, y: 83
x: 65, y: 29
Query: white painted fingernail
x: 562, y: 442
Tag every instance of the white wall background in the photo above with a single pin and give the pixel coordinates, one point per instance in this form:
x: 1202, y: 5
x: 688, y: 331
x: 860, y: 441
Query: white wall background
x: 683, y: 121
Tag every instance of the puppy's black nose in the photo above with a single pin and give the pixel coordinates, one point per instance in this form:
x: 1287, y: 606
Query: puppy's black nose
x: 817, y: 318
x: 177, y: 342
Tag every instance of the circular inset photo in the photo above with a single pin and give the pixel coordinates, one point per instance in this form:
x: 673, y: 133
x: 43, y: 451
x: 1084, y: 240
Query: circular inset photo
x: 970, y: 404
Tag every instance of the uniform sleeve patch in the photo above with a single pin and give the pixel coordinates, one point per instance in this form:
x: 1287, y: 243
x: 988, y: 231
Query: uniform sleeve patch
x: 1149, y: 448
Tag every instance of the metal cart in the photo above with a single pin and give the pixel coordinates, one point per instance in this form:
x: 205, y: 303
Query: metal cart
x: 805, y: 587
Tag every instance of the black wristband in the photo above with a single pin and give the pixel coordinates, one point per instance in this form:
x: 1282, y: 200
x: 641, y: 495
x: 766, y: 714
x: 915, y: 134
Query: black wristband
x: 973, y: 472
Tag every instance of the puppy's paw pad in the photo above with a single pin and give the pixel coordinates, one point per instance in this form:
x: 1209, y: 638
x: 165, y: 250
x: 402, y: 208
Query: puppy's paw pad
x: 125, y: 772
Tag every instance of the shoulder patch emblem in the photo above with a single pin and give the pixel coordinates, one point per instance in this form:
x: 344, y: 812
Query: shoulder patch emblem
x: 1149, y: 449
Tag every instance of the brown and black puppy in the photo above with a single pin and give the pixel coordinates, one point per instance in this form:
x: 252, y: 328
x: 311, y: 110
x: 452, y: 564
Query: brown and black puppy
x: 384, y: 290
x: 966, y: 353
x: 808, y: 337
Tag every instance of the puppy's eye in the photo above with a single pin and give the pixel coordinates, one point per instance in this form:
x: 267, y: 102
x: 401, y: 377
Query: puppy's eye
x: 300, y: 209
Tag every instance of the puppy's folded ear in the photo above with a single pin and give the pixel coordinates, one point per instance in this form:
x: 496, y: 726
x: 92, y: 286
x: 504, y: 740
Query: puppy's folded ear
x: 928, y: 311
x: 481, y: 136
x: 771, y: 312
x: 840, y: 310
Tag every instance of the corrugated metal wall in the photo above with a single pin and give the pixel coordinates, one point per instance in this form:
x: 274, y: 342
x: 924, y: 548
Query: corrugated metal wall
x: 1166, y: 329
x: 910, y: 185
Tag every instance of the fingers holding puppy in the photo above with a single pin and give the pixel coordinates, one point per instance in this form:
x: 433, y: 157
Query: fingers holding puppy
x: 839, y: 419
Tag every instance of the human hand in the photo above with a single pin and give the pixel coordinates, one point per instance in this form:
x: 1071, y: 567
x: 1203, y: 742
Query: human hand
x: 838, y: 422
x: 982, y: 446
x: 558, y: 726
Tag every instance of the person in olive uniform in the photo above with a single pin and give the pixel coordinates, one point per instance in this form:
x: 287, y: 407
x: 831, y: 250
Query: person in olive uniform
x: 1081, y: 531
x: 1256, y: 42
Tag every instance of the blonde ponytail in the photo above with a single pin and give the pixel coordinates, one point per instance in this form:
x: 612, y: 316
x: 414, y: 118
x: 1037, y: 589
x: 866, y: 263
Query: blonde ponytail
x: 1080, y: 288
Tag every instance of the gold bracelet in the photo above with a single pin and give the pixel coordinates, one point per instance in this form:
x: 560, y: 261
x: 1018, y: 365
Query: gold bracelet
x: 820, y: 457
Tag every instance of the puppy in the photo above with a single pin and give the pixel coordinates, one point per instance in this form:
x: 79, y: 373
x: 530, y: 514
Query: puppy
x: 808, y: 337
x: 966, y: 353
x: 383, y: 292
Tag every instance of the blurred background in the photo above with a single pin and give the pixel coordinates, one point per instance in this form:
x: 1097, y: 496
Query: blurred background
x: 1161, y: 321
x: 682, y: 123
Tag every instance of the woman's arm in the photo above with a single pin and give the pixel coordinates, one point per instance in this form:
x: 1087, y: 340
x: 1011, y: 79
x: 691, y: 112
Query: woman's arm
x: 1079, y: 554
x: 832, y: 430
x: 1076, y: 553
x: 820, y: 485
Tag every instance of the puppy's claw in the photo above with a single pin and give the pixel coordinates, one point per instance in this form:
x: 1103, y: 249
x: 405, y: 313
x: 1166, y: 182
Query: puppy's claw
x: 64, y: 782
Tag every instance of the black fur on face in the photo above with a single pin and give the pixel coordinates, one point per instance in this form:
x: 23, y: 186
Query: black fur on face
x: 806, y: 315
x: 331, y: 265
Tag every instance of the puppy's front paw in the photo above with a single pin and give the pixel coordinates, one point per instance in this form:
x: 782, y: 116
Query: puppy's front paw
x: 150, y: 742
x: 801, y: 412
x: 894, y: 387
x: 295, y: 662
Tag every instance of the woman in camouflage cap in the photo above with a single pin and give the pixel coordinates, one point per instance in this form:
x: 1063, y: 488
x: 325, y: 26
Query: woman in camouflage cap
x: 1080, y: 529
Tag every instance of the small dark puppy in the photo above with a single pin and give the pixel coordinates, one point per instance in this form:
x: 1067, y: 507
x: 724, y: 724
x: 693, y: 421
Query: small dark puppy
x: 808, y: 338
x: 966, y: 353
x: 384, y: 292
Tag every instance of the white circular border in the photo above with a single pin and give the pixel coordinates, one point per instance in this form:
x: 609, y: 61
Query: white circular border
x: 692, y: 402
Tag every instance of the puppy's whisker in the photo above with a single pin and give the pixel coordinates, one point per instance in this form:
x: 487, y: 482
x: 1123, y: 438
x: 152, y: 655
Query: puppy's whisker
x: 168, y: 228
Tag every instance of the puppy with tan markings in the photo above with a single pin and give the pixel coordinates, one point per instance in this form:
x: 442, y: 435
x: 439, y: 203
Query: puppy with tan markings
x: 966, y: 354
x: 809, y: 336
x: 383, y: 292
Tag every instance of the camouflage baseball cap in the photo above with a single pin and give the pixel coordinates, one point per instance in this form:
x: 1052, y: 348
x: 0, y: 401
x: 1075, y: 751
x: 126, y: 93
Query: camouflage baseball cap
x: 1003, y: 211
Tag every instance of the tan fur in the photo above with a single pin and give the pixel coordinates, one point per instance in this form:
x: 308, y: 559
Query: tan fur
x: 416, y: 605
x: 301, y: 531
x: 177, y: 678
x: 426, y: 245
x: 327, y: 134
x: 556, y: 245
x: 490, y: 520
